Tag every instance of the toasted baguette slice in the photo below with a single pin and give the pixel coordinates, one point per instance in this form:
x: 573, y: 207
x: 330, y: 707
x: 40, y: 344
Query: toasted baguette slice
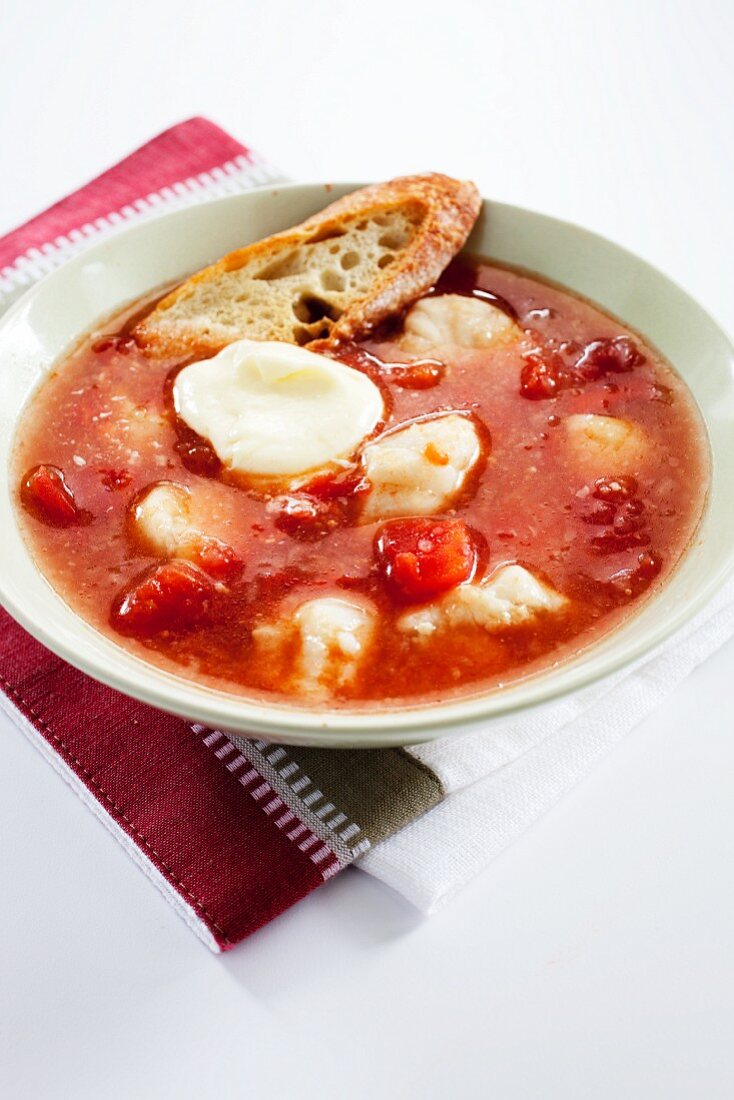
x: 336, y: 275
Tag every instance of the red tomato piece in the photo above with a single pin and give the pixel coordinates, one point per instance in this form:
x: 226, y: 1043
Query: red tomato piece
x: 615, y: 489
x: 45, y: 494
x: 174, y: 596
x: 420, y: 375
x: 630, y: 517
x: 633, y: 582
x: 195, y: 452
x: 218, y: 559
x: 602, y: 357
x: 114, y: 480
x: 304, y: 517
x: 337, y: 486
x: 611, y: 542
x: 598, y: 513
x: 421, y: 557
x: 319, y: 507
x: 543, y: 375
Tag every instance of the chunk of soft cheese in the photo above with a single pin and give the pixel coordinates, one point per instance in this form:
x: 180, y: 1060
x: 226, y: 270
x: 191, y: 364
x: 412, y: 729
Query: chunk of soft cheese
x: 332, y: 636
x: 511, y: 595
x: 275, y: 410
x: 418, y: 470
x: 604, y: 444
x: 454, y: 320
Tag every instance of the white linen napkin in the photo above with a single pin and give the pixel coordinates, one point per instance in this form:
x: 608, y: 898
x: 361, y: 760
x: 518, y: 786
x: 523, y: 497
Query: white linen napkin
x: 502, y: 780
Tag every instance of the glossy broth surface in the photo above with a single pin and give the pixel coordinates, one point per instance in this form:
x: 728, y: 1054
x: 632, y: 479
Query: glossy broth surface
x: 105, y: 419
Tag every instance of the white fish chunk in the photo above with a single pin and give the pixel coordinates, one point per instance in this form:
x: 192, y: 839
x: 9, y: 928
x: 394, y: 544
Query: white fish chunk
x: 333, y: 635
x: 454, y: 320
x: 509, y: 596
x: 419, y: 469
x: 604, y: 444
x: 162, y: 519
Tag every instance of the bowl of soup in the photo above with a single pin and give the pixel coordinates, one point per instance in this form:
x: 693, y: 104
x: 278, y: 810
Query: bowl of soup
x: 530, y: 491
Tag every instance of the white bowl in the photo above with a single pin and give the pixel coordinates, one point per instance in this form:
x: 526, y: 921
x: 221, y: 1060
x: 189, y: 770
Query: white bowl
x: 53, y: 315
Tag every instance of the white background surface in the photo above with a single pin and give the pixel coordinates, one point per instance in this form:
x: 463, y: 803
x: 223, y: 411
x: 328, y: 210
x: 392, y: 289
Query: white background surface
x: 594, y: 959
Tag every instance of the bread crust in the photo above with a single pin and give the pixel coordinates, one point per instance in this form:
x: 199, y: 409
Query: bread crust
x: 442, y: 211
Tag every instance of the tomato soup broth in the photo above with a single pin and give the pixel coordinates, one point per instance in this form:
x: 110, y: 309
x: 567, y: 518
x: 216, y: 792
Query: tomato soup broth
x: 102, y: 429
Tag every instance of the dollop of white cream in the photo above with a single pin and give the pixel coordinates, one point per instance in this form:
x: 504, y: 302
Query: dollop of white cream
x: 271, y: 409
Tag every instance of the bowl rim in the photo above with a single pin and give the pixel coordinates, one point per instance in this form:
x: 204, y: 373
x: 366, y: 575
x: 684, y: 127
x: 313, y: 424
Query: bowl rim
x: 380, y: 726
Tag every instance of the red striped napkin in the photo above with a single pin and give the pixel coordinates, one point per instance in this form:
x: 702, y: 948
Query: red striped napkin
x: 192, y: 161
x: 214, y: 838
x: 231, y: 833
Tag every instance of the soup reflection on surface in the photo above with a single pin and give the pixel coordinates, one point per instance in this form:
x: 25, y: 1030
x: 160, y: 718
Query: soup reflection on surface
x: 542, y: 473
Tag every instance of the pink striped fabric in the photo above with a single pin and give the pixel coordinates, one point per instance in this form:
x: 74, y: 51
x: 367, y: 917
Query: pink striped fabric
x: 204, y: 823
